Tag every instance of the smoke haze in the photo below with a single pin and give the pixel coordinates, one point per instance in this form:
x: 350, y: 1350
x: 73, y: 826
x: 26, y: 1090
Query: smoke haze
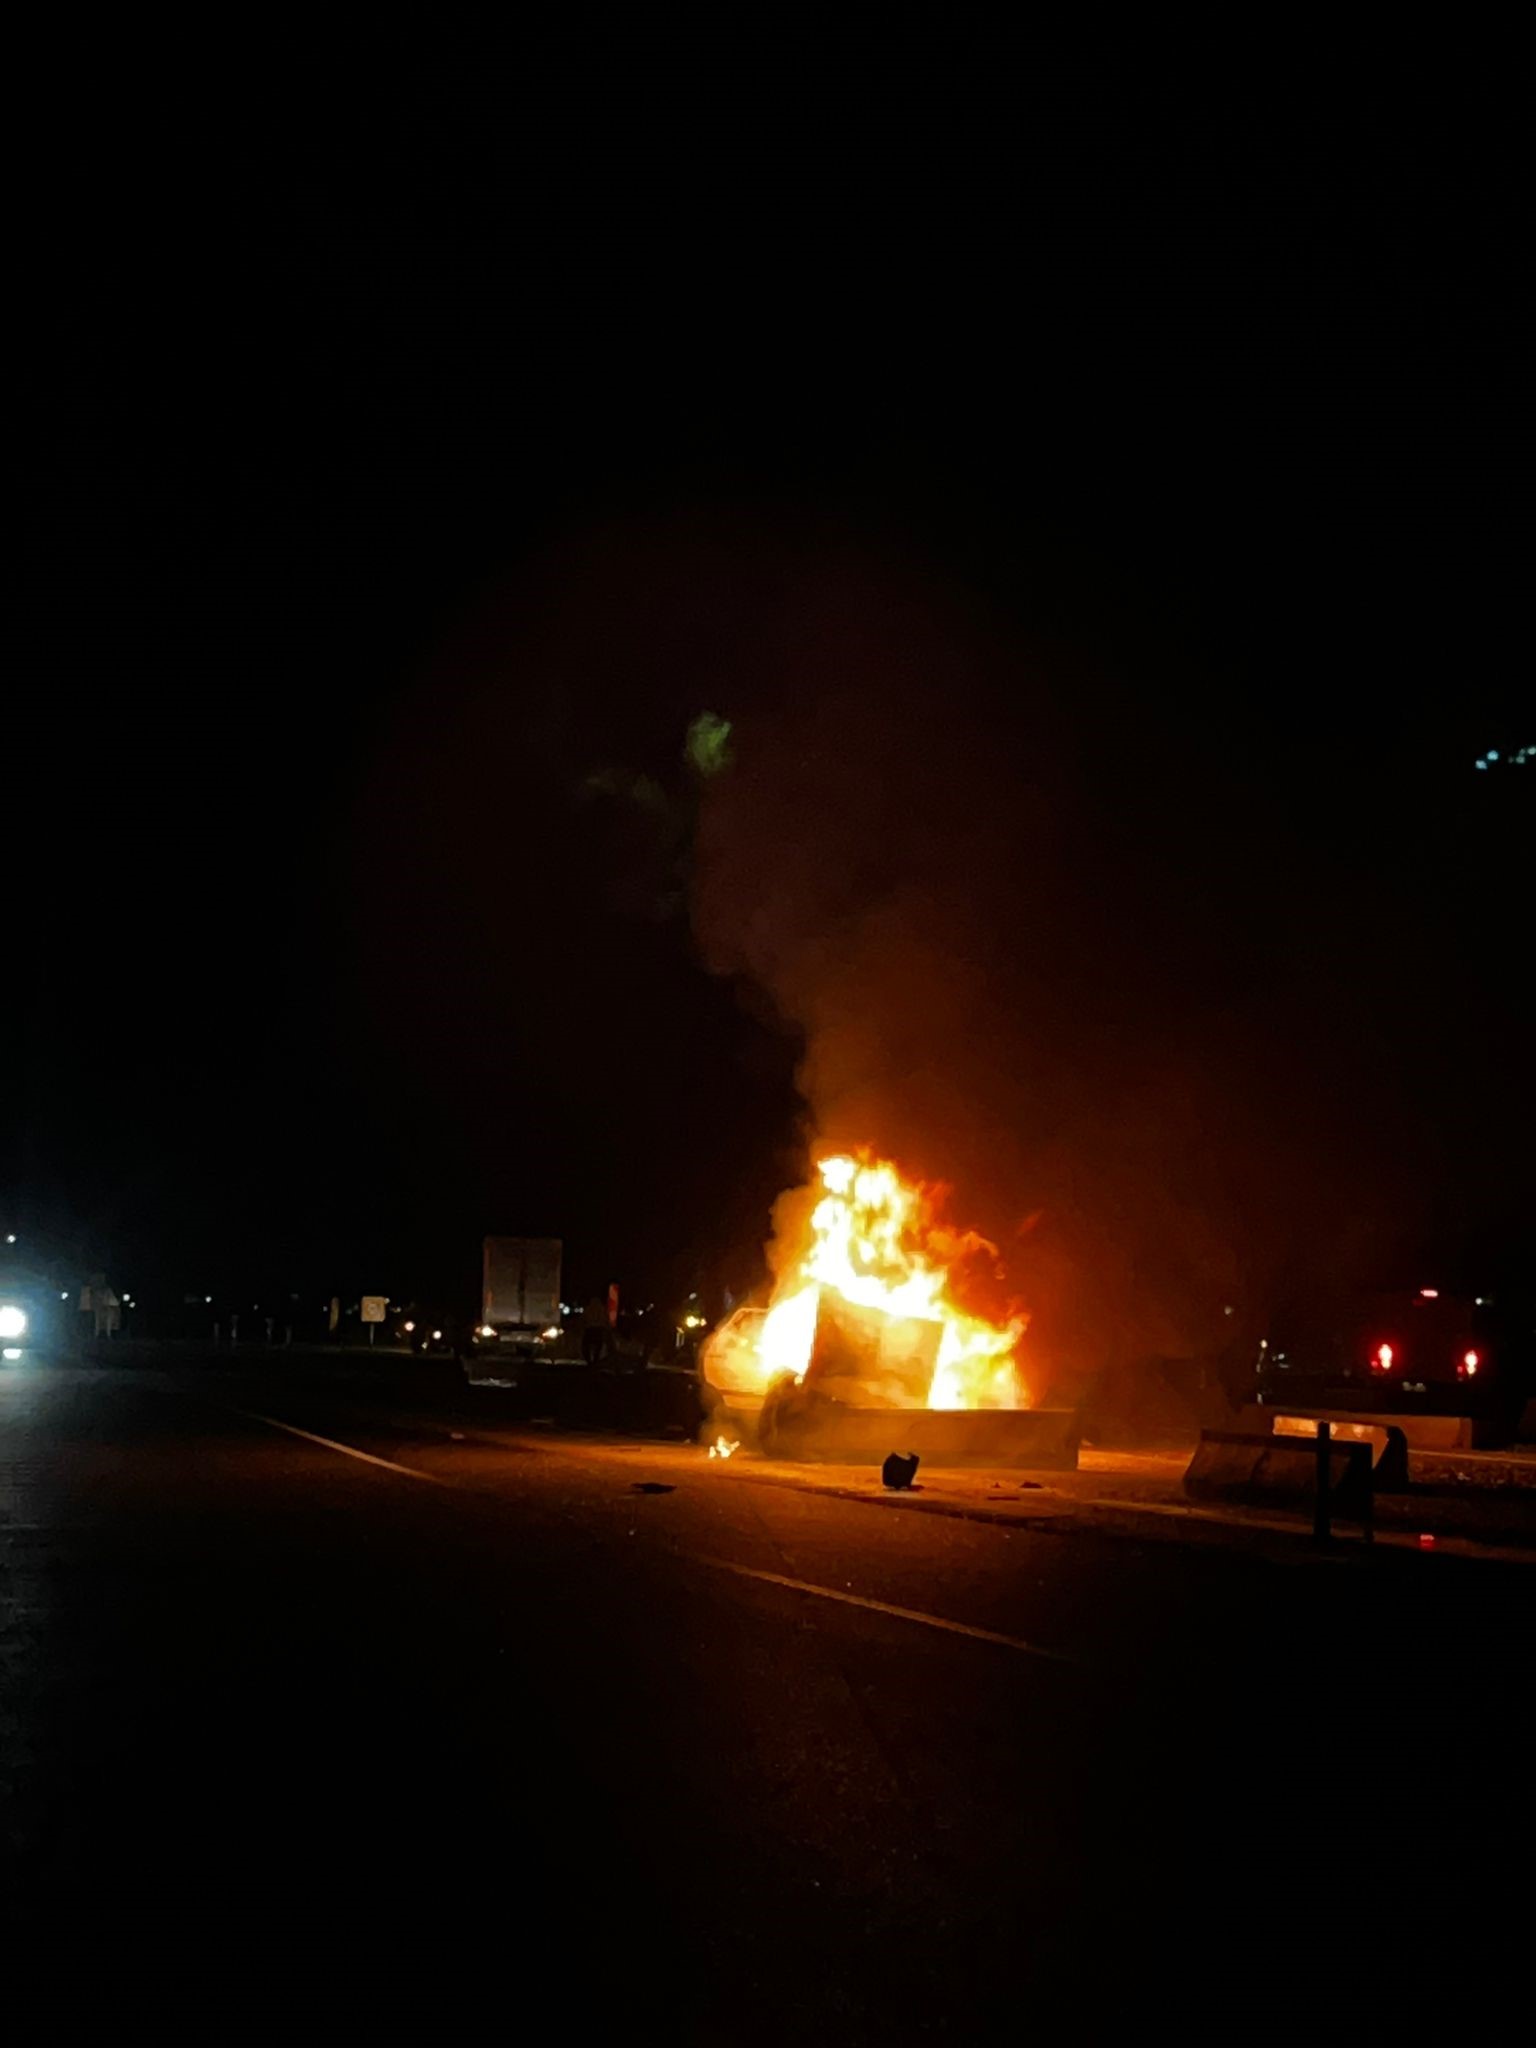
x: 969, y: 874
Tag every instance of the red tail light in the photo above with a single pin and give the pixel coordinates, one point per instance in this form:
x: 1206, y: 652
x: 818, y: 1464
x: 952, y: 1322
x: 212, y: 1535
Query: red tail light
x: 1469, y: 1365
x: 1381, y: 1358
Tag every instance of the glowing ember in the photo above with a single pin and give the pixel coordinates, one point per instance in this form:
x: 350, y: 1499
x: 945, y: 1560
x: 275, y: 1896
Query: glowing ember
x: 873, y: 1242
x: 723, y: 1446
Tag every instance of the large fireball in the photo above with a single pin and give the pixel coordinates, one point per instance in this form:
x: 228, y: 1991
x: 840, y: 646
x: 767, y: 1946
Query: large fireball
x: 872, y: 1242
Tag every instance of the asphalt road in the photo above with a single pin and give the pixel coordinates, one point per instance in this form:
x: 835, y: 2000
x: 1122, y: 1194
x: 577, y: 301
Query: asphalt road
x: 310, y: 1706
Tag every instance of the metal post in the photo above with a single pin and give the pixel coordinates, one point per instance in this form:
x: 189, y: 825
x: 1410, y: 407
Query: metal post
x: 1321, y: 1506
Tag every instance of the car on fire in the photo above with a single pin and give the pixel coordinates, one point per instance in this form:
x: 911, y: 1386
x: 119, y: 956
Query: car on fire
x: 727, y: 1363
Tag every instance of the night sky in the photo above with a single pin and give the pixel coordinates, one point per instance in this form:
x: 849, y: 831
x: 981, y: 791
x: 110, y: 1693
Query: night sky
x: 1113, y: 577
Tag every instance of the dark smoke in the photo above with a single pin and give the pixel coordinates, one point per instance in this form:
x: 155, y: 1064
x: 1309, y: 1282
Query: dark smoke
x: 1100, y: 928
x: 1020, y: 967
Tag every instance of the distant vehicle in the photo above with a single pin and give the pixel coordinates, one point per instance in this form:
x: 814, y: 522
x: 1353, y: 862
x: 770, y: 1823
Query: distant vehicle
x: 28, y: 1318
x: 1418, y: 1350
x: 429, y: 1334
x: 520, y: 1315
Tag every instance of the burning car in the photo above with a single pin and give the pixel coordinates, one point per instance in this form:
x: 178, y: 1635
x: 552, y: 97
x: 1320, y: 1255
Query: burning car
x: 863, y: 1341
x: 730, y: 1361
x: 872, y: 1244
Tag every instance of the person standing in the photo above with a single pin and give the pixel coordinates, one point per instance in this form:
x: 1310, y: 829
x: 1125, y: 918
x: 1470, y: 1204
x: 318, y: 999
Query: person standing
x: 85, y: 1306
x: 108, y: 1309
x: 595, y: 1331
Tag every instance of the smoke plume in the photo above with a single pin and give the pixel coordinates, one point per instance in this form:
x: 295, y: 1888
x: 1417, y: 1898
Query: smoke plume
x: 927, y: 854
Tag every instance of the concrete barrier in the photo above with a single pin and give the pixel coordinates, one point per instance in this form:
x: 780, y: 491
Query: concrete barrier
x: 1241, y: 1465
x: 1489, y: 1428
x: 1387, y: 1440
x: 802, y: 1426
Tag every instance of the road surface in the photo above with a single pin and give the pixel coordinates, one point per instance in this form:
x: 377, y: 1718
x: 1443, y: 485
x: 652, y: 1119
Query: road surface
x: 311, y: 1706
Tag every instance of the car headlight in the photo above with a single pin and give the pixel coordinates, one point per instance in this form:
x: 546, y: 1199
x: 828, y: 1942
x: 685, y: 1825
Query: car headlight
x: 486, y: 1330
x: 13, y: 1321
x: 551, y: 1333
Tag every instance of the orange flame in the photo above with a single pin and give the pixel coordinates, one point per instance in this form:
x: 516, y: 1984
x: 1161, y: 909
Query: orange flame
x: 872, y: 1241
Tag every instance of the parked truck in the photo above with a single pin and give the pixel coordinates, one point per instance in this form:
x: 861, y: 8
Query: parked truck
x: 519, y: 1309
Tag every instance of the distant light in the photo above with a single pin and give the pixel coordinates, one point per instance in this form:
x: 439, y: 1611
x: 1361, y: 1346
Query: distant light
x: 1384, y: 1357
x: 551, y: 1333
x: 13, y: 1321
x: 1470, y: 1363
x: 1493, y: 753
x: 1481, y: 764
x: 1429, y: 1294
x: 11, y: 1355
x: 409, y: 1327
x: 10, y: 1237
x: 437, y: 1336
x: 65, y: 1295
x: 208, y: 1298
x: 1227, y: 1309
x: 486, y: 1329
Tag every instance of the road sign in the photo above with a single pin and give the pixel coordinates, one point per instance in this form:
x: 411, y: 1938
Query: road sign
x: 374, y: 1306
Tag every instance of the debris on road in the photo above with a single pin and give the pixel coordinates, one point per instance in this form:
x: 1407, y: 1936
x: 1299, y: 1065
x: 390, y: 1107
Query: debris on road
x: 899, y: 1469
x: 652, y: 1486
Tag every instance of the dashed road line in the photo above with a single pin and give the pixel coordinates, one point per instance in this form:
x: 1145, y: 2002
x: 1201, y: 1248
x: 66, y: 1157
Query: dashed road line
x: 913, y: 1614
x: 329, y: 1443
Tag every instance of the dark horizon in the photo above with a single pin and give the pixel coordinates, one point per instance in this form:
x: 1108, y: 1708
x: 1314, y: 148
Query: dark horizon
x: 371, y: 594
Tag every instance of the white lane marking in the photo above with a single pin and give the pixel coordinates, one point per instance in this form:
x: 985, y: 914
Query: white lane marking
x: 347, y: 1450
x: 954, y: 1628
x: 742, y: 1571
